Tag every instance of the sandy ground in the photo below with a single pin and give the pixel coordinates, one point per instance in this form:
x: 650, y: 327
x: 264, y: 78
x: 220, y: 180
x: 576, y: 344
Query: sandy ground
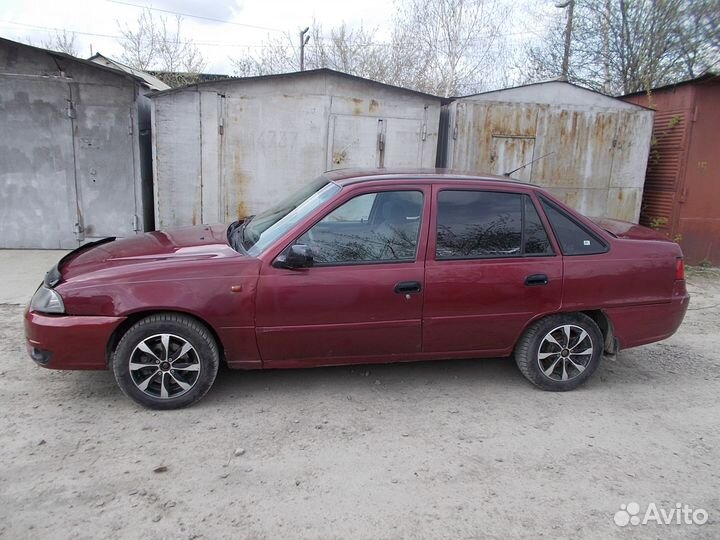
x: 461, y: 449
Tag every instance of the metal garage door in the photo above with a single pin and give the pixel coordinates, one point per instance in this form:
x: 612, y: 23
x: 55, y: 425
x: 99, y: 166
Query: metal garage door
x: 66, y: 163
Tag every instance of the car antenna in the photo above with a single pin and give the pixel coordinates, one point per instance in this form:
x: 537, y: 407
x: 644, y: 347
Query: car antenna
x: 526, y: 164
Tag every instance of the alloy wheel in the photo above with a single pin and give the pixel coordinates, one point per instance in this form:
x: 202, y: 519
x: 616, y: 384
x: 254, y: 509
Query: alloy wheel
x: 164, y: 366
x: 565, y: 352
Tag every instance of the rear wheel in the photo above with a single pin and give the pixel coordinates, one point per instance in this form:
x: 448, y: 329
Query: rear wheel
x: 560, y: 352
x: 166, y: 361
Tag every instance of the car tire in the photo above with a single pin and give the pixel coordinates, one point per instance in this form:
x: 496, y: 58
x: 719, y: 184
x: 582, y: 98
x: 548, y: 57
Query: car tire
x: 166, y: 361
x: 560, y: 352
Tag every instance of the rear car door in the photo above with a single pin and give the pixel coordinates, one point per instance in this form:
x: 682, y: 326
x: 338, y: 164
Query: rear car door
x: 491, y: 268
x: 362, y: 299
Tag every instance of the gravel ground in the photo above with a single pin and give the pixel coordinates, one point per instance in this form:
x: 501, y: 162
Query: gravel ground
x: 460, y: 449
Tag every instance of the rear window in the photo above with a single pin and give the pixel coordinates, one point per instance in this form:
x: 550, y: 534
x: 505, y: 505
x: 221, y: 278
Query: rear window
x: 574, y: 238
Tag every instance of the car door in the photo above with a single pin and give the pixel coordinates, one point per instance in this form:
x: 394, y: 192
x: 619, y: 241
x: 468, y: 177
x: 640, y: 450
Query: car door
x: 491, y: 268
x: 362, y: 299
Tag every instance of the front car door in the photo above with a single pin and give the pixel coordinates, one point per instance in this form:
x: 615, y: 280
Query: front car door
x: 362, y: 300
x: 491, y: 268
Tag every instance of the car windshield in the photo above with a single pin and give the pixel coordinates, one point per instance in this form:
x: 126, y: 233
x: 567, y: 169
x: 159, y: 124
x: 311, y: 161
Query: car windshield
x: 264, y: 229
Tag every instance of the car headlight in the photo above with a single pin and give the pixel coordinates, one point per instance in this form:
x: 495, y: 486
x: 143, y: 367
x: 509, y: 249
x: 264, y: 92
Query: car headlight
x: 47, y: 301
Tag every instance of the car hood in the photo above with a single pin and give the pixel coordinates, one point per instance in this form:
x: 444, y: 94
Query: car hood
x: 631, y: 231
x: 169, y: 247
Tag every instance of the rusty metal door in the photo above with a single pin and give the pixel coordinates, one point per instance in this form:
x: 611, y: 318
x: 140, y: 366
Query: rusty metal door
x: 212, y: 203
x: 37, y: 174
x: 403, y: 142
x: 368, y: 141
x: 508, y: 153
x: 104, y: 159
x: 356, y: 141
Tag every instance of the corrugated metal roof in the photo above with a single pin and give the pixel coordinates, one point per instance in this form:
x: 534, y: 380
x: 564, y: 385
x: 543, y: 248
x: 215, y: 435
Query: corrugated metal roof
x: 151, y: 81
x: 71, y: 58
x: 515, y: 90
x: 704, y: 78
x: 292, y: 75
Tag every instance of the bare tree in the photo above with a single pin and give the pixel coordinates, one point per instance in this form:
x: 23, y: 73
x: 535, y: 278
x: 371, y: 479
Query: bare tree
x: 63, y: 41
x: 458, y: 39
x: 156, y: 44
x: 625, y: 46
x: 438, y: 46
x: 345, y: 49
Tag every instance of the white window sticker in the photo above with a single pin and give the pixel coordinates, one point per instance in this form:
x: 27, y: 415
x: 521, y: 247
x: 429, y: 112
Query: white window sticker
x: 586, y: 242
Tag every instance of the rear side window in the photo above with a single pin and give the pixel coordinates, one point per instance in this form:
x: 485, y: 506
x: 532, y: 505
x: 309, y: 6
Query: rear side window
x: 574, y: 238
x: 535, y: 238
x: 488, y: 224
x: 478, y: 224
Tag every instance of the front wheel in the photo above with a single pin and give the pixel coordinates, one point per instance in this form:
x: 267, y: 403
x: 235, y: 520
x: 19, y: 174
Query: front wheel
x: 166, y: 361
x: 560, y: 352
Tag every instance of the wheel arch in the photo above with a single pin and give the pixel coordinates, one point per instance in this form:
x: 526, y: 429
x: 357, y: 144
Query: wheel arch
x: 610, y: 343
x: 136, y: 316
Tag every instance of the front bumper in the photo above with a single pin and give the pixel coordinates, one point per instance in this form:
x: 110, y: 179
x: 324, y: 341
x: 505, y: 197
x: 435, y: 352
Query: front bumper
x: 67, y: 341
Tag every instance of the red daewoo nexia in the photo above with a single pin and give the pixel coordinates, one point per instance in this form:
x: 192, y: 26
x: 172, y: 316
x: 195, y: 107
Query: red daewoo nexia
x: 362, y: 267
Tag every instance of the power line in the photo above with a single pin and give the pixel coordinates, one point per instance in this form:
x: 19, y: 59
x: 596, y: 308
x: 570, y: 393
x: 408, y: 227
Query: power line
x: 228, y: 44
x: 203, y: 17
x: 123, y: 38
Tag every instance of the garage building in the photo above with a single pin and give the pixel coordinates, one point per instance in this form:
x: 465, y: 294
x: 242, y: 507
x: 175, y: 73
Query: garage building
x: 230, y: 148
x: 588, y: 149
x: 74, y: 150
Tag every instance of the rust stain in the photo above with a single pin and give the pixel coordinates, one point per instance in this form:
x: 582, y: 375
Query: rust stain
x: 194, y: 217
x: 374, y: 106
x: 240, y: 181
x: 357, y: 106
x: 339, y: 156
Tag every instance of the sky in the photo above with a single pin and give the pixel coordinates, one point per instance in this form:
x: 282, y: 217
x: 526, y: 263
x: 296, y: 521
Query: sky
x: 246, y: 23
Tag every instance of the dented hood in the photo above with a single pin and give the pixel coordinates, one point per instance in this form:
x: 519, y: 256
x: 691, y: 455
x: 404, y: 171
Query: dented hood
x: 169, y: 247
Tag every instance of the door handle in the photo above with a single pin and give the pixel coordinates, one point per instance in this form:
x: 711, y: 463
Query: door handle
x: 536, y: 279
x: 407, y: 287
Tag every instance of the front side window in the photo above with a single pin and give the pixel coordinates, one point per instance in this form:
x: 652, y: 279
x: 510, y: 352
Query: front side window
x: 574, y: 238
x: 266, y: 228
x: 373, y: 227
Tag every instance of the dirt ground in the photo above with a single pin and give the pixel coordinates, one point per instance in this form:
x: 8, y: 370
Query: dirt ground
x: 461, y: 449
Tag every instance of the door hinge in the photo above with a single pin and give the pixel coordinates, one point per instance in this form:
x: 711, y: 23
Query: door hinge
x: 455, y: 132
x: 79, y: 231
x: 424, y: 132
x: 130, y: 125
x: 136, y: 222
x: 381, y: 143
x: 221, y: 126
x: 70, y: 109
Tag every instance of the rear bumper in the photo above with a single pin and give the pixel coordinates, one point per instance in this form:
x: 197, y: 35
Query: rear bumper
x: 69, y: 342
x: 640, y: 325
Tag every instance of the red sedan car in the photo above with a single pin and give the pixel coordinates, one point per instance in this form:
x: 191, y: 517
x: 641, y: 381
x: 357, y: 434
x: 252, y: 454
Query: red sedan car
x: 362, y: 267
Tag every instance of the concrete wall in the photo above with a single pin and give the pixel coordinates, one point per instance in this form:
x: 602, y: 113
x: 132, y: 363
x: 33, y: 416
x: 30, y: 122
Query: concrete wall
x: 69, y: 150
x: 591, y: 150
x: 228, y: 149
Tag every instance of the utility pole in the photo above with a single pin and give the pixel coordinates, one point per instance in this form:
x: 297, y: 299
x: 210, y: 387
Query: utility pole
x: 570, y: 4
x: 303, y: 41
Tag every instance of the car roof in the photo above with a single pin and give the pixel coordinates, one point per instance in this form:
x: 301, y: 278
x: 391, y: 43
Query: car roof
x: 345, y: 177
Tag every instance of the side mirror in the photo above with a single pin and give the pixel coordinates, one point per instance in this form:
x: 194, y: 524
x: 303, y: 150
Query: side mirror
x: 297, y: 256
